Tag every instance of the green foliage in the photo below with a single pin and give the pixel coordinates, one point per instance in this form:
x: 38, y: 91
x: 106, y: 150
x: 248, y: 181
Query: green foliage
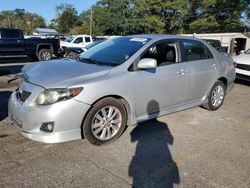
x: 217, y: 15
x: 21, y: 19
x: 124, y: 17
x: 205, y: 25
x: 66, y: 19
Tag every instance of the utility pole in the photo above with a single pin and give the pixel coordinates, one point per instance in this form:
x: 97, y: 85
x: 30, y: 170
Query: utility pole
x: 9, y: 22
x: 91, y: 21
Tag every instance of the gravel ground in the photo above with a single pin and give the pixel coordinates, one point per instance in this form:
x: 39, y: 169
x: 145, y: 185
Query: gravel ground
x: 191, y: 148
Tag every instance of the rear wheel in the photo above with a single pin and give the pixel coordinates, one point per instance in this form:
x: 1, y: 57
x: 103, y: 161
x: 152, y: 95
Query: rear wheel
x: 44, y: 55
x: 216, y: 96
x: 71, y: 55
x: 105, y: 122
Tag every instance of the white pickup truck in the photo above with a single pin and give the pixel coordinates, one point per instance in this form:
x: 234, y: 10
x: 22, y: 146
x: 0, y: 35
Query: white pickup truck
x: 77, y: 41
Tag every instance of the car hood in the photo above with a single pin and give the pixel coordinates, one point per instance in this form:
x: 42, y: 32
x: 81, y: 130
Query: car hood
x: 62, y: 73
x: 243, y: 59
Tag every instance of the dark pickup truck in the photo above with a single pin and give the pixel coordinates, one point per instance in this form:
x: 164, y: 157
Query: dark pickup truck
x: 13, y: 43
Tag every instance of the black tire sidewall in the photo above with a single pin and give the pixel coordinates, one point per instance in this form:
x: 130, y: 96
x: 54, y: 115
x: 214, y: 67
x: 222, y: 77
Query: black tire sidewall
x: 211, y: 106
x: 41, y: 52
x: 68, y: 55
x: 86, y: 127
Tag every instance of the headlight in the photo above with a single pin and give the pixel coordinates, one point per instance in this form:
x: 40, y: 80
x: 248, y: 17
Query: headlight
x: 51, y: 96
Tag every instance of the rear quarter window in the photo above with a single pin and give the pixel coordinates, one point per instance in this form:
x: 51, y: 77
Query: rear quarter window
x: 87, y: 39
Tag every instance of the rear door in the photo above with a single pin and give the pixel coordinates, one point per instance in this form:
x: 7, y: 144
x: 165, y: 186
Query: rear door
x: 202, y: 68
x: 11, y: 42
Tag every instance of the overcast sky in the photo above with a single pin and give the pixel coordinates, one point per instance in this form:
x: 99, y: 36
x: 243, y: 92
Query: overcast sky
x: 45, y: 8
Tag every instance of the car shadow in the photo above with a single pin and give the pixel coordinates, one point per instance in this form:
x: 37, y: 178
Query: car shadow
x: 152, y: 164
x: 4, y: 98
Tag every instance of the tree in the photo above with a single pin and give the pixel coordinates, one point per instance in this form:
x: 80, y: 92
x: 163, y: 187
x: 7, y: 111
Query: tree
x: 21, y: 19
x: 217, y: 15
x: 66, y: 18
x: 123, y: 17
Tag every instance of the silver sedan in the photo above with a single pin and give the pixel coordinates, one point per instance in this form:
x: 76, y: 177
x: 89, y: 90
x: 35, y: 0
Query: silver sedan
x: 117, y: 83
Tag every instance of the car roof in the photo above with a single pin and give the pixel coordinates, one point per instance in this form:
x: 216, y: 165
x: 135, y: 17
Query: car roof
x: 163, y: 36
x: 80, y: 35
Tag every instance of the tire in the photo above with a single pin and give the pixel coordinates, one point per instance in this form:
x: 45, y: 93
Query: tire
x: 217, y: 93
x: 71, y: 55
x: 44, y: 55
x: 100, y: 129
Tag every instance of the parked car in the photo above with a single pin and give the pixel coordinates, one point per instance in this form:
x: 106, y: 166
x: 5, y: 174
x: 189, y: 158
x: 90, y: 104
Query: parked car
x: 73, y: 52
x: 243, y: 66
x: 77, y: 41
x: 119, y: 82
x: 13, y: 43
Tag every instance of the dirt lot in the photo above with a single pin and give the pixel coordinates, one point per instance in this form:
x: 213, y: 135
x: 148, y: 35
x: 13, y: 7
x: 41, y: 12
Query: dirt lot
x: 192, y: 148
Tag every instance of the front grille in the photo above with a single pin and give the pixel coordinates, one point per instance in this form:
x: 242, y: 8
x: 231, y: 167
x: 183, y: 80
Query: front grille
x: 22, y: 95
x: 243, y: 66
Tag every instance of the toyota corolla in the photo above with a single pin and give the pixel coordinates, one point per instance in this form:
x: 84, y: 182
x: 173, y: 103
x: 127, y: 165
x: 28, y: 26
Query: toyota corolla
x: 113, y: 84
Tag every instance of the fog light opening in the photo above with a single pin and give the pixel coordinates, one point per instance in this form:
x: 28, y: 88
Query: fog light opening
x: 47, y: 127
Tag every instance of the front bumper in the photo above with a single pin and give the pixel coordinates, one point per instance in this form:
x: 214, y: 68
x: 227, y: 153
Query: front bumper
x: 66, y: 115
x: 243, y: 74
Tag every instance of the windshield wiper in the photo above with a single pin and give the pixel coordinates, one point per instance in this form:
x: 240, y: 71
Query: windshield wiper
x: 91, y: 61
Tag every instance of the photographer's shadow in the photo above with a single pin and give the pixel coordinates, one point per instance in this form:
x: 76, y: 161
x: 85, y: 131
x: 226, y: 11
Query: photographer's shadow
x: 152, y: 165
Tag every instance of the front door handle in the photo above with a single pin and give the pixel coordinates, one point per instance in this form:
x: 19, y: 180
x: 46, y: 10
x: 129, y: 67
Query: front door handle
x: 19, y: 41
x: 181, y: 72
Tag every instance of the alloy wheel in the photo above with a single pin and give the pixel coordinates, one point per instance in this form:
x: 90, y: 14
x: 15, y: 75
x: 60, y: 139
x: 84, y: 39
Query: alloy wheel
x: 106, y: 123
x: 217, y: 96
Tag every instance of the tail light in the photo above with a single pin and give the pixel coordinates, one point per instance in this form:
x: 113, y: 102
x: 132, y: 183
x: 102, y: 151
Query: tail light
x: 234, y: 65
x: 58, y: 44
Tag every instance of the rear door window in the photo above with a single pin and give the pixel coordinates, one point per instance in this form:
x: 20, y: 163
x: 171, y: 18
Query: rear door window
x: 10, y: 34
x: 87, y: 39
x: 195, y: 50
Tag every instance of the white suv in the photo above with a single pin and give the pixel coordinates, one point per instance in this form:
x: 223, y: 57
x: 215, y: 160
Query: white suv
x: 77, y: 41
x: 243, y: 66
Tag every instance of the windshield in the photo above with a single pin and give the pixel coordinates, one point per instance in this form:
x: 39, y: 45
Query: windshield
x: 69, y: 39
x: 248, y: 51
x: 114, y: 52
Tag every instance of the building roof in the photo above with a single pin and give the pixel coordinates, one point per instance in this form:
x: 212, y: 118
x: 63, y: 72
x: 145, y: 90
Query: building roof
x: 46, y: 31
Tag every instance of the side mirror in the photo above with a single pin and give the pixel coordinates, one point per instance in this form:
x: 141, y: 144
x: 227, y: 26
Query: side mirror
x: 147, y: 63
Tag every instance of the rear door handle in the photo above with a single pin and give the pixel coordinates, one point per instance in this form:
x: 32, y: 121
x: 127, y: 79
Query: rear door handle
x: 181, y: 72
x: 213, y: 66
x: 19, y: 41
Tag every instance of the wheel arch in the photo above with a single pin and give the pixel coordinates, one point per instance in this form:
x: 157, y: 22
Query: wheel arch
x: 44, y: 46
x: 225, y: 81
x: 116, y: 97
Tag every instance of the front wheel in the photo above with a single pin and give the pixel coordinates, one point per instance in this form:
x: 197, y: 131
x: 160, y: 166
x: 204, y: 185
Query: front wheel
x: 216, y: 96
x: 105, y: 122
